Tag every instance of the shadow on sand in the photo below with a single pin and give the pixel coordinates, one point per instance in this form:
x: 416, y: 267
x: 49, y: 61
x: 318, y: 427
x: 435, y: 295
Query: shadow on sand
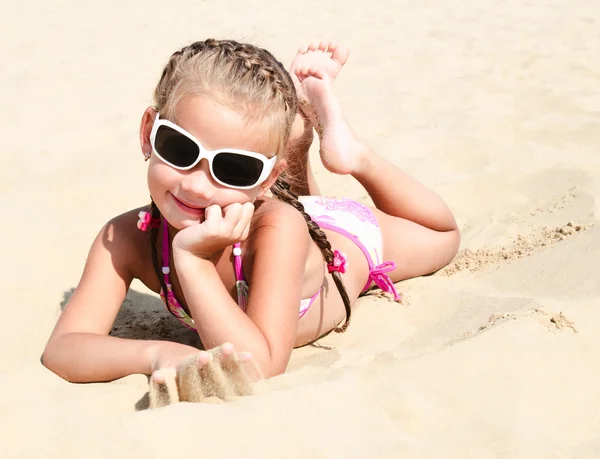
x: 144, y: 316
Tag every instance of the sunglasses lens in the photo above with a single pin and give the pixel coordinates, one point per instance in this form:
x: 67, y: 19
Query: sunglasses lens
x: 175, y: 148
x: 237, y: 170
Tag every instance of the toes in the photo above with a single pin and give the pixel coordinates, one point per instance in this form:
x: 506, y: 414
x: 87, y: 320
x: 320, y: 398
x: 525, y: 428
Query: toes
x: 301, y: 71
x: 314, y: 46
x: 305, y: 72
x: 318, y: 73
x: 163, y: 388
x: 339, y: 53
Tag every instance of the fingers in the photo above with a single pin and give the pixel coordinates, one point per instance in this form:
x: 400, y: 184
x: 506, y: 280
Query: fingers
x: 232, y: 214
x: 245, y: 220
x: 163, y: 388
x: 189, y: 380
x: 237, y: 220
x: 212, y: 213
x: 231, y: 223
x: 217, y: 375
x: 221, y: 372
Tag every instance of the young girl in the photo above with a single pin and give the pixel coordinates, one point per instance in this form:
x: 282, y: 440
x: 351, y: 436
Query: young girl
x: 254, y: 275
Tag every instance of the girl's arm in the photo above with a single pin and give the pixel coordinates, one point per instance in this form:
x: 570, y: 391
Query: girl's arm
x: 79, y: 349
x: 268, y: 327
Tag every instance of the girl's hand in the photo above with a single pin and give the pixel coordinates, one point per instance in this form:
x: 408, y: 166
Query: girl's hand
x: 221, y: 372
x: 220, y: 228
x: 167, y: 354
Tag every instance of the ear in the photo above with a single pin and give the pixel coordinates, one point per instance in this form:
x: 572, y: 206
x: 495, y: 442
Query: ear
x: 275, y: 173
x: 145, y: 129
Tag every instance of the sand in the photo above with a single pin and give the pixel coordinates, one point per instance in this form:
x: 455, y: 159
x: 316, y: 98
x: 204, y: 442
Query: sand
x: 493, y: 104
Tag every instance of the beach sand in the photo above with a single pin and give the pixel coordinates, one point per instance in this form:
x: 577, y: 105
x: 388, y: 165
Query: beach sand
x: 495, y: 105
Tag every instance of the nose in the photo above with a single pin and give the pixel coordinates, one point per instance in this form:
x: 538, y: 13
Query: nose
x: 198, y: 182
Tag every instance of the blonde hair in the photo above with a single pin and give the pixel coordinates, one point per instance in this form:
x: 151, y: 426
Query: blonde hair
x: 251, y: 81
x: 237, y: 76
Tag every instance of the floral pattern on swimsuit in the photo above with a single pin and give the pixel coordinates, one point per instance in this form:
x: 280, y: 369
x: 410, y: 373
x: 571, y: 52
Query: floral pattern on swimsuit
x: 175, y: 308
x: 360, y: 211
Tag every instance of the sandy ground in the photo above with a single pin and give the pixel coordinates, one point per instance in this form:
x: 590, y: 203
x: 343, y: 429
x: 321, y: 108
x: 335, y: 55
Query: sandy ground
x: 493, y: 104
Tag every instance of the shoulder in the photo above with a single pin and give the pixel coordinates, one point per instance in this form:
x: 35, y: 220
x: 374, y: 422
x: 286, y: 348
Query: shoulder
x: 278, y: 237
x: 121, y: 237
x: 275, y: 216
x: 123, y: 228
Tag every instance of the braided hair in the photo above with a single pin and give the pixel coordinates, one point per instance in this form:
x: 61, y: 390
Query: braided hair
x: 281, y: 190
x: 251, y: 80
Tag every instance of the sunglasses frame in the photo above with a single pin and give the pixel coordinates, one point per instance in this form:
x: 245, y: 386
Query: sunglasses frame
x: 268, y: 163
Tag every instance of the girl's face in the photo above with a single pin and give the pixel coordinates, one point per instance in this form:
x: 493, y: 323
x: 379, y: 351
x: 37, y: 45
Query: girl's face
x: 182, y: 196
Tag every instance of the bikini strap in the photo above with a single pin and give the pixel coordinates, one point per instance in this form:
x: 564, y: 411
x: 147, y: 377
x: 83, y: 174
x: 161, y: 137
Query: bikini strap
x: 237, y: 254
x: 237, y: 259
x: 165, y: 249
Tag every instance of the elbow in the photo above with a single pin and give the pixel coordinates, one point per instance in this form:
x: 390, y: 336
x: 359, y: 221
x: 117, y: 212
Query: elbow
x: 51, y: 364
x: 270, y: 365
x: 48, y: 356
x: 273, y: 371
x: 52, y: 361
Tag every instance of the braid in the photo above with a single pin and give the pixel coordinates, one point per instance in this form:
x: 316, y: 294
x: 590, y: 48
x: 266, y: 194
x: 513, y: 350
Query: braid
x: 281, y: 190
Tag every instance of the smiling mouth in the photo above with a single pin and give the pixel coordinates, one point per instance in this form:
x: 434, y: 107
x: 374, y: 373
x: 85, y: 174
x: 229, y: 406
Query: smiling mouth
x: 189, y: 209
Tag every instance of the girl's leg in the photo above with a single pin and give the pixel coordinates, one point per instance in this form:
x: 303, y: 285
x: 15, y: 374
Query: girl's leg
x: 299, y: 173
x: 329, y: 58
x: 419, y: 232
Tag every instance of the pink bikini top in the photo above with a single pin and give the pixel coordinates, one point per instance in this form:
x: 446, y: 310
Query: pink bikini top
x: 170, y: 299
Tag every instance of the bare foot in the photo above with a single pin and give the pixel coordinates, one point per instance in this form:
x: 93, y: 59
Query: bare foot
x: 341, y: 151
x: 330, y: 58
x: 326, y: 56
x: 220, y: 373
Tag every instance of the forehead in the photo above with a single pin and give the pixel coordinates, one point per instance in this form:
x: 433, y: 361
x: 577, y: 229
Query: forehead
x: 217, y: 126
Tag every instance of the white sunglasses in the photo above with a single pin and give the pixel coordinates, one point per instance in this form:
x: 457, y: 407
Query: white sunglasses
x: 230, y: 167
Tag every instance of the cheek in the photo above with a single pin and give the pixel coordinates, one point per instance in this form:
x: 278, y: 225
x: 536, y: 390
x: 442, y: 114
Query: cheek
x: 243, y: 196
x: 227, y: 196
x: 159, y: 177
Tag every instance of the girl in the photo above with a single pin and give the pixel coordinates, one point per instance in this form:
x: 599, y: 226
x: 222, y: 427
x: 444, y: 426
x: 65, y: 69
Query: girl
x: 254, y: 275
